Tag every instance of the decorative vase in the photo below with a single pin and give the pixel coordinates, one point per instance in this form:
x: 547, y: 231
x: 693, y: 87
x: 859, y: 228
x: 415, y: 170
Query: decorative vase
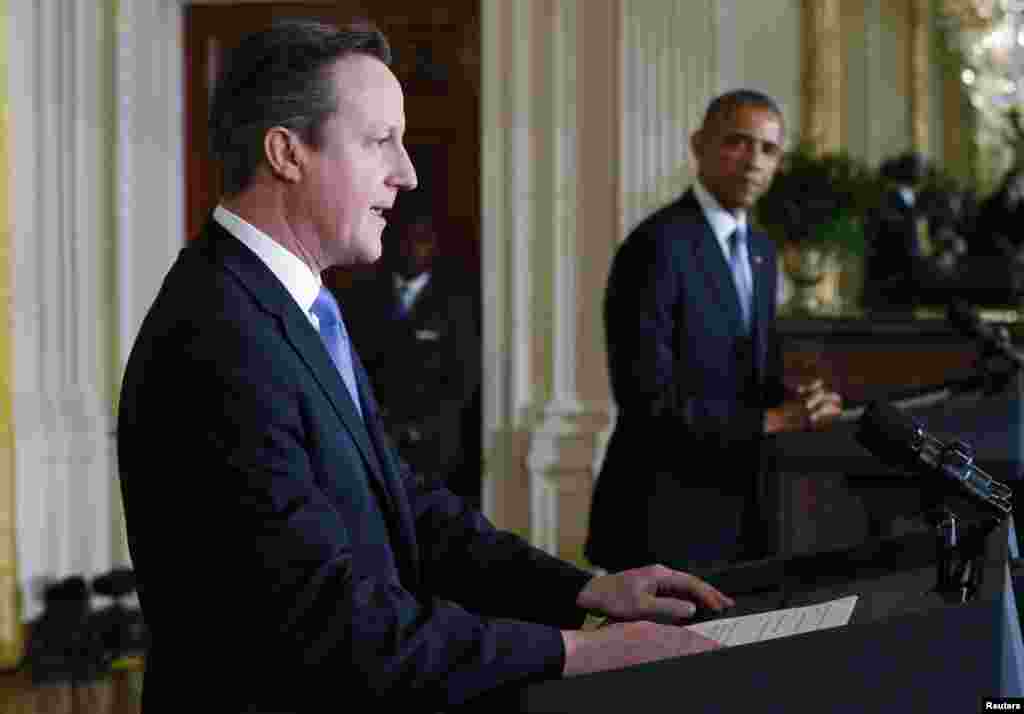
x: 807, y: 267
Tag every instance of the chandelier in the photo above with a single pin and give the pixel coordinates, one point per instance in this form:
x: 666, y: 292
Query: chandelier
x: 989, y: 34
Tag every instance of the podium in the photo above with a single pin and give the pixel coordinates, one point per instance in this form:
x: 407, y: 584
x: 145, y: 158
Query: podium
x: 905, y: 648
x: 826, y: 491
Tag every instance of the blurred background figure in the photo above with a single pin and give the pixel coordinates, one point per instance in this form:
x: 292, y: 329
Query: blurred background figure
x: 994, y: 265
x: 998, y: 229
x: 415, y: 323
x: 946, y: 211
x: 897, y: 232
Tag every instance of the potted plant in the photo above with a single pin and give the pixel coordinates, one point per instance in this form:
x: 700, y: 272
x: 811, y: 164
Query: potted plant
x: 815, y: 211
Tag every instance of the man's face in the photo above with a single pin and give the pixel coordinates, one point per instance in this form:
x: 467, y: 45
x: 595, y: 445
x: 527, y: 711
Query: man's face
x: 737, y: 154
x: 360, y: 167
x: 417, y: 246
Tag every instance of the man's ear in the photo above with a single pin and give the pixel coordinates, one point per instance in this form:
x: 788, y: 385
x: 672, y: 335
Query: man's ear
x: 697, y: 142
x: 285, y: 154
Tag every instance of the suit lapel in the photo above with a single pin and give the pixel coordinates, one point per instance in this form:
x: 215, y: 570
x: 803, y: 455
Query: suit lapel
x: 400, y: 505
x: 267, y: 290
x: 718, y: 274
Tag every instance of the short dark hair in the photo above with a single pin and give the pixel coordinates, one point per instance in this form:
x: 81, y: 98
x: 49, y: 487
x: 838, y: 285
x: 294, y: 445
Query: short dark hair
x: 725, y: 104
x: 908, y: 167
x: 279, y: 77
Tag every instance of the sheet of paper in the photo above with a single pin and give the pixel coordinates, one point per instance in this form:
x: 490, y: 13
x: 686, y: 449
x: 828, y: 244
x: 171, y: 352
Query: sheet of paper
x: 778, y: 623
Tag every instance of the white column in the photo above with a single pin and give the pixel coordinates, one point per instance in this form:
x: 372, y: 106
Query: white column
x: 62, y: 233
x: 673, y: 56
x: 578, y: 206
x: 587, y: 112
x: 506, y: 185
x: 150, y: 182
x: 150, y: 159
x: 550, y: 221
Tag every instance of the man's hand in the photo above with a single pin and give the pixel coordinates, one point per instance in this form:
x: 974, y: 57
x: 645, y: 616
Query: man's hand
x: 810, y: 407
x: 653, y: 593
x: 628, y: 643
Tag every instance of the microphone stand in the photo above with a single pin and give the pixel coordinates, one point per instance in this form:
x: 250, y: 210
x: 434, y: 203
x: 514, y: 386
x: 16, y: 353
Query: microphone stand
x: 957, y: 552
x: 958, y: 547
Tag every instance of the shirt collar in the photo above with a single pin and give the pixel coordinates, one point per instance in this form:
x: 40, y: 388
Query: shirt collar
x: 300, y: 282
x: 722, y: 222
x: 907, y: 194
x: 414, y: 284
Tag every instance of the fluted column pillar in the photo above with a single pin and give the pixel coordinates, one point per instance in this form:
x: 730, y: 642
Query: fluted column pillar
x: 581, y: 220
x: 670, y: 57
x: 507, y: 151
x: 62, y: 236
x: 822, y: 75
x: 588, y: 110
x: 920, y: 75
x: 11, y: 643
x: 551, y: 216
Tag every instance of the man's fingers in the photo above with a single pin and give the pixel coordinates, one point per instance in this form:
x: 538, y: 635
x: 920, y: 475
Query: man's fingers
x: 704, y: 644
x: 671, y: 610
x: 691, y: 587
x: 809, y: 387
x: 823, y: 402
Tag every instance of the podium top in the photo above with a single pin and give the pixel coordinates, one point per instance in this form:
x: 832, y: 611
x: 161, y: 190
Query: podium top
x: 903, y: 651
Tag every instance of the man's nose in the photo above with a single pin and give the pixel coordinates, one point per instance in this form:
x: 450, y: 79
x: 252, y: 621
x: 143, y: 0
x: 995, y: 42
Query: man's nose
x: 756, y: 156
x: 405, y: 173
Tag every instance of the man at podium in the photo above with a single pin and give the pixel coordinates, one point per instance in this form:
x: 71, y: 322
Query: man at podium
x: 695, y: 364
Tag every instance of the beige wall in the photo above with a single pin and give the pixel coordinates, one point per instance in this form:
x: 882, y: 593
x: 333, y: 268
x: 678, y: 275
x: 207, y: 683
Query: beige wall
x: 878, y: 83
x: 767, y: 46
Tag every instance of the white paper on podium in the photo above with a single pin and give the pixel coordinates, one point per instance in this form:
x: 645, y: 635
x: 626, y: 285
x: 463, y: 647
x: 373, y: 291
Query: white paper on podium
x: 745, y: 629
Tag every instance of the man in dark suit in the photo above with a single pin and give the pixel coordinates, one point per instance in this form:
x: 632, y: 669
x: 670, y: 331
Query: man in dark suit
x: 899, y: 268
x: 694, y: 360
x: 416, y: 328
x: 283, y: 553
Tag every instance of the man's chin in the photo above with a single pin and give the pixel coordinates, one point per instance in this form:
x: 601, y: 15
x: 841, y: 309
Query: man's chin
x: 745, y: 201
x: 368, y: 252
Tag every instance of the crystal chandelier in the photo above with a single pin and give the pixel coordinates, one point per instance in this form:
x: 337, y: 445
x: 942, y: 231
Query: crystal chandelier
x: 990, y: 37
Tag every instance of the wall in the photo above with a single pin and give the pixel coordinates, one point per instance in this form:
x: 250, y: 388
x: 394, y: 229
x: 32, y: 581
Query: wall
x: 761, y: 49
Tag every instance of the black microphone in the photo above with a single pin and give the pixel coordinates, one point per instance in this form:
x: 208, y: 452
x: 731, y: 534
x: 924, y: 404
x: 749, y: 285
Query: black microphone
x: 900, y: 441
x: 994, y: 340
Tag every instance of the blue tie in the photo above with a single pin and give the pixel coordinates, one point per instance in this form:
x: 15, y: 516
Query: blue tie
x: 739, y: 261
x: 335, y: 338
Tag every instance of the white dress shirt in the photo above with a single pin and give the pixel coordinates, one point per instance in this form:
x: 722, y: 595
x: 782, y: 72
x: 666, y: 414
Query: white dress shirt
x: 300, y: 282
x: 410, y: 289
x: 723, y: 223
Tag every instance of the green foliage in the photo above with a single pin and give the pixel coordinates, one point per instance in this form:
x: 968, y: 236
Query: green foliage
x: 820, y: 200
x: 1013, y: 134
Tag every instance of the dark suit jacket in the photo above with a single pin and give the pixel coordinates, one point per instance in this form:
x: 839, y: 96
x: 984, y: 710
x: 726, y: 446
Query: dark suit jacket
x: 896, y: 271
x: 691, y: 391
x: 424, y: 368
x: 283, y: 554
